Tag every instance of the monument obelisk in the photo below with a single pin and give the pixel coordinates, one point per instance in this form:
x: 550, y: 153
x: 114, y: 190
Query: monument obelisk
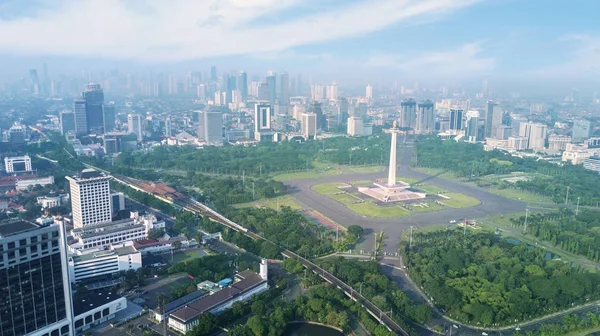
x: 392, y: 168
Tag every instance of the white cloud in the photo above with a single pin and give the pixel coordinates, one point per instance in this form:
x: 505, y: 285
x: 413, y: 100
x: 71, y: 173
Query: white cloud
x: 583, y: 61
x: 464, y: 61
x: 185, y: 29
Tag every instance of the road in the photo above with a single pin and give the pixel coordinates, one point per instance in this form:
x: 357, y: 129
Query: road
x: 490, y: 204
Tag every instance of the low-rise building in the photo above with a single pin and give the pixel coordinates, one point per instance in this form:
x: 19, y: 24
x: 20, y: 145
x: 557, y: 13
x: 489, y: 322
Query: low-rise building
x: 592, y: 163
x: 95, y: 308
x: 246, y: 284
x: 53, y: 200
x: 103, y: 263
x: 158, y: 313
x: 558, y: 143
x: 23, y: 184
x: 153, y: 246
x: 13, y: 164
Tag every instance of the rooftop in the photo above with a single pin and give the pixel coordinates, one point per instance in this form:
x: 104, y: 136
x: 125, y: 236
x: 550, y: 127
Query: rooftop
x: 171, y: 306
x: 14, y: 228
x: 249, y: 280
x: 92, y: 300
x: 119, y: 251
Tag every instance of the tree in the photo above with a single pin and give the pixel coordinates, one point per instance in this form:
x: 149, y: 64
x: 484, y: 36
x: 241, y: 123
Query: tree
x: 258, y: 307
x: 355, y: 230
x: 156, y: 233
x: 257, y: 326
x: 176, y: 245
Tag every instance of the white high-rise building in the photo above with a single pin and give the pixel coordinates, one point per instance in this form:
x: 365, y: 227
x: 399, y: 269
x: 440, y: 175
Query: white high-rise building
x: 369, y: 92
x: 493, y: 118
x: 134, y: 124
x: 355, y: 126
x: 210, y: 127
x: 309, y: 125
x: 17, y: 164
x: 316, y: 92
x: 332, y: 92
x: 90, y: 198
x: 535, y: 133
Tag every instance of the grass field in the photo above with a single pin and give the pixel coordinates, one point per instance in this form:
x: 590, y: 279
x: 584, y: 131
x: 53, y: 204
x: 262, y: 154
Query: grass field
x: 327, y: 188
x: 187, y: 255
x: 407, y: 180
x: 305, y: 175
x: 373, y: 210
x: 273, y: 203
x: 441, y: 173
x: 368, y: 169
x: 430, y: 206
x: 459, y: 200
x: 431, y: 189
x: 520, y: 195
x: 345, y: 199
x: 362, y: 183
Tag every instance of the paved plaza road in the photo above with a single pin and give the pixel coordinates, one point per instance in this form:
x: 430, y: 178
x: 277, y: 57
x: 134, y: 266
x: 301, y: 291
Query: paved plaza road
x: 490, y: 204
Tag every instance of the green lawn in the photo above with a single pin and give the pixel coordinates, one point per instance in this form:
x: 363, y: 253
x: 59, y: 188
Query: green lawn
x: 407, y: 179
x: 362, y: 183
x: 327, y: 188
x: 441, y: 173
x: 430, y: 206
x: 431, y: 189
x: 459, y: 200
x: 305, y: 175
x: 368, y: 169
x: 520, y: 195
x: 187, y: 255
x: 374, y: 210
x: 345, y: 199
x: 273, y: 203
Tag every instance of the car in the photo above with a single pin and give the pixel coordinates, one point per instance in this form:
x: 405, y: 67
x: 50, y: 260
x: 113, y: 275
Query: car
x: 484, y: 333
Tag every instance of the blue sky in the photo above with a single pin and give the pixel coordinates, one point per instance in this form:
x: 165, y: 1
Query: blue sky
x: 433, y: 39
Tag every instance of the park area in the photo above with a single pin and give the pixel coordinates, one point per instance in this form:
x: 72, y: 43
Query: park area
x: 351, y: 198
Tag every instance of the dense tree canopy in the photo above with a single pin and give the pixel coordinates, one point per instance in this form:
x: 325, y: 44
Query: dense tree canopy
x: 480, y: 278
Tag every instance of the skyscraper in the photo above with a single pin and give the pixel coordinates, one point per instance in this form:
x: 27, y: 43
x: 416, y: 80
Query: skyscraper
x: 315, y: 107
x: 231, y: 86
x: 456, y: 119
x: 67, y: 122
x: 134, y: 125
x: 262, y: 123
x: 94, y: 107
x: 242, y: 85
x: 284, y: 97
x: 332, y: 92
x: 34, y: 283
x: 493, y: 118
x: 582, y: 130
x: 168, y: 127
x: 425, y: 123
x: 109, y: 118
x: 263, y: 92
x: 342, y: 115
x: 309, y: 125
x: 80, y: 116
x: 271, y: 84
x: 90, y: 198
x: 213, y: 73
x: 408, y: 113
x: 472, y: 131
x: 369, y: 92
x: 210, y: 126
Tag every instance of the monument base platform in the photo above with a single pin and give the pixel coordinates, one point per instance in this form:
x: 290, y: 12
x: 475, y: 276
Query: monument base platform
x: 395, y: 193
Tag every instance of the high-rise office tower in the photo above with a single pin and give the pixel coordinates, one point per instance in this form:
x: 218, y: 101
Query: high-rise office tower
x: 34, y: 283
x: 309, y: 125
x: 316, y: 92
x: 173, y: 84
x: 109, y: 118
x: 293, y: 87
x: 535, y: 134
x: 582, y: 130
x: 242, y: 85
x: 284, y: 97
x: 213, y: 73
x: 80, y: 116
x: 408, y: 113
x: 168, y: 127
x: 94, y: 107
x: 332, y: 92
x: 342, y: 115
x: 355, y: 126
x: 369, y: 92
x: 34, y: 81
x: 456, y: 119
x: 231, y: 86
x: 271, y: 84
x: 316, y: 108
x: 201, y: 93
x: 210, y: 126
x: 299, y: 85
x: 262, y: 123
x: 263, y: 91
x: 134, y: 125
x: 472, y: 131
x: 425, y: 123
x: 493, y: 118
x: 90, y: 198
x: 67, y: 122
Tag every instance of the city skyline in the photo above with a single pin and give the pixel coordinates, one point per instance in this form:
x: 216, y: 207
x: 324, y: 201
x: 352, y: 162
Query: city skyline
x: 433, y: 40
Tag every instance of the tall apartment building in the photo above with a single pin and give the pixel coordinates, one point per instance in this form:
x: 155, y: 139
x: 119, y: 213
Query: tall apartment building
x: 90, y: 198
x: 493, y: 118
x: 34, y: 286
x: 262, y: 123
x: 309, y: 125
x: 425, y: 123
x: 134, y: 125
x: 355, y: 126
x: 408, y: 113
x: 582, y: 130
x: 80, y: 116
x: 535, y: 133
x: 94, y: 107
x: 210, y: 126
x: 67, y: 122
x: 456, y: 119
